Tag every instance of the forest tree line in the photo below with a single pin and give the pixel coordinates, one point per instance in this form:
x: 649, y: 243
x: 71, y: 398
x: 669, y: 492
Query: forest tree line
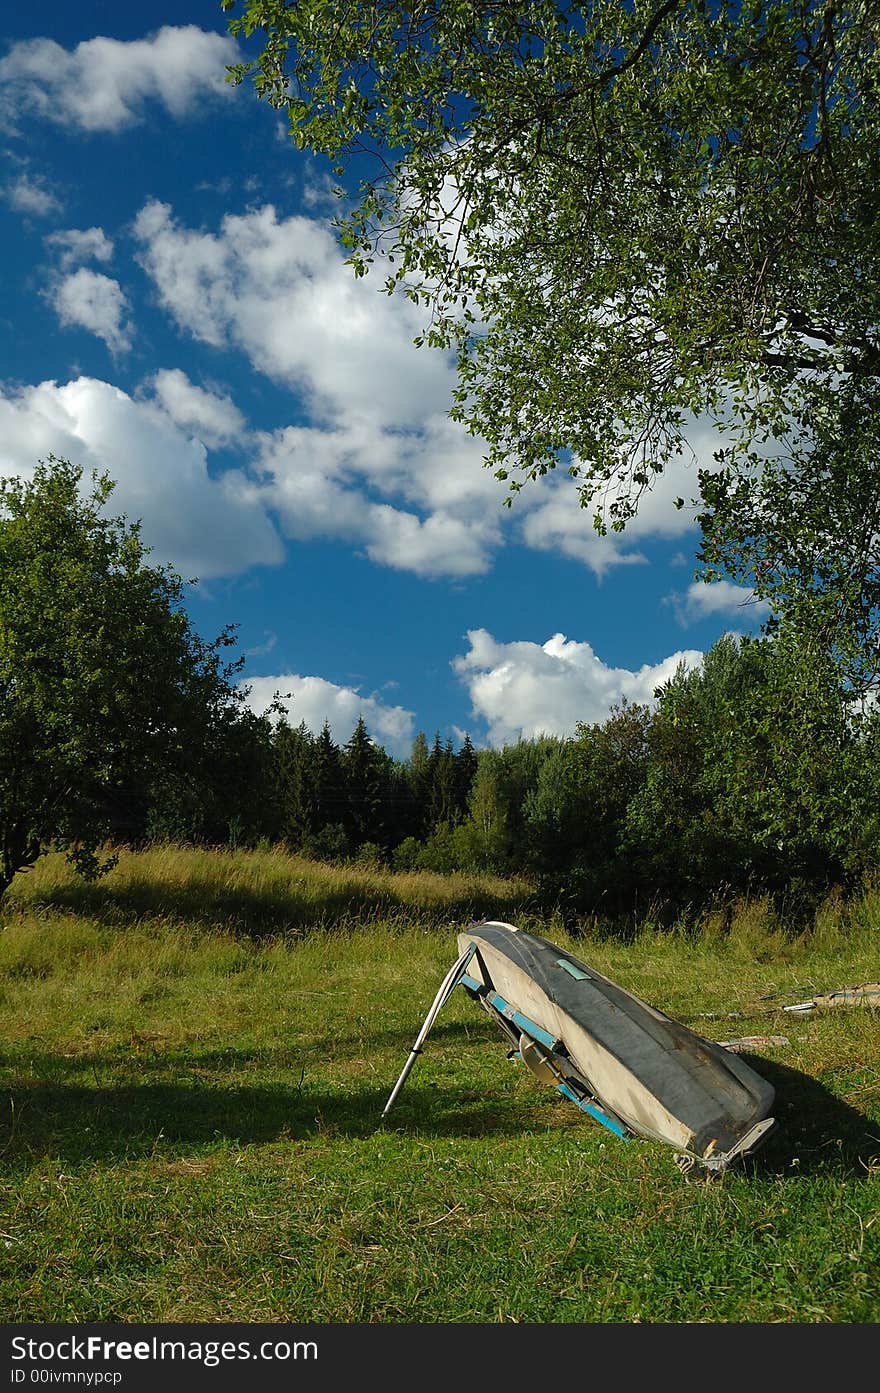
x: 753, y: 774
x: 756, y: 773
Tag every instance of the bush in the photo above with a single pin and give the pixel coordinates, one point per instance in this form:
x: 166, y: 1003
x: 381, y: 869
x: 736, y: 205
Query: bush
x: 329, y: 843
x: 370, y: 854
x: 405, y: 857
x: 439, y: 852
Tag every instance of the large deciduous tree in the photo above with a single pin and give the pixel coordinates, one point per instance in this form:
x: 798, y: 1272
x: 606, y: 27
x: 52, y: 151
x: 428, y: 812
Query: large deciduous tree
x: 106, y: 691
x: 757, y: 776
x: 621, y: 216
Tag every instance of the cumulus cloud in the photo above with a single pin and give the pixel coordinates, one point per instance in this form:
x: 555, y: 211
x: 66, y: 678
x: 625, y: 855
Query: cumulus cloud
x: 30, y: 195
x: 382, y: 467
x: 280, y: 291
x: 74, y: 246
x: 103, y: 84
x: 314, y: 700
x: 319, y: 191
x: 524, y: 689
x: 380, y: 464
x: 212, y: 416
x: 89, y: 300
x: 556, y: 522
x: 323, y: 483
x: 202, y: 525
x: 437, y: 545
x: 702, y: 601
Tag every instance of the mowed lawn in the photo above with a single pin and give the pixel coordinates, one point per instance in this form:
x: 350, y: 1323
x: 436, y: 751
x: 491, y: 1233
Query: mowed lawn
x: 195, y: 1054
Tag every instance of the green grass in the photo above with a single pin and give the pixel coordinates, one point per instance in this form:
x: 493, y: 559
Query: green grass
x: 190, y: 1099
x: 262, y: 893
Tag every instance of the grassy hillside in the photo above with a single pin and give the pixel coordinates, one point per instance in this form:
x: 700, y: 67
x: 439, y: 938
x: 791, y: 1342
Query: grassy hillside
x: 195, y: 1053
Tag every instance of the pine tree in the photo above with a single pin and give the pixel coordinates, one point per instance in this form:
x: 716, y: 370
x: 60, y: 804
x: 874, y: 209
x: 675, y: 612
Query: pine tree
x: 364, y: 768
x: 465, y: 772
x: 329, y: 783
x: 442, y: 803
x: 418, y: 777
x: 295, y: 782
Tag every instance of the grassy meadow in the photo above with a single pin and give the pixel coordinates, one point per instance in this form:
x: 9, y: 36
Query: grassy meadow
x: 195, y: 1053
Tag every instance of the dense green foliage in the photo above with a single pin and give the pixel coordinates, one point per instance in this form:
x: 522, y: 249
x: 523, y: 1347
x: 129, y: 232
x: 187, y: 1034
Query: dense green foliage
x: 753, y: 774
x: 107, y: 695
x: 620, y: 217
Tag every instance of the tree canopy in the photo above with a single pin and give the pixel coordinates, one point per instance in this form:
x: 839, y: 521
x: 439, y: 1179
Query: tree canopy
x: 622, y: 216
x: 105, y: 689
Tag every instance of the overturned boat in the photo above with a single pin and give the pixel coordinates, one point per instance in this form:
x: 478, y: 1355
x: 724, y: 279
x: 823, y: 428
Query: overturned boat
x: 621, y: 1061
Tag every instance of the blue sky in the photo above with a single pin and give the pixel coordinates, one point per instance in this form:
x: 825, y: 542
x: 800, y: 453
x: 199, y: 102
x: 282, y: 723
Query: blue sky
x: 176, y: 312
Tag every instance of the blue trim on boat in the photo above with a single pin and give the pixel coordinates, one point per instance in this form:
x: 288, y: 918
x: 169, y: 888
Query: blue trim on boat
x: 544, y: 1037
x: 597, y: 1113
x: 511, y: 1014
x: 472, y: 984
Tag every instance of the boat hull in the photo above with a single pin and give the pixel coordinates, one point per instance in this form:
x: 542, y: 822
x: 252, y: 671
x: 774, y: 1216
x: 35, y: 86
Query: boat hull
x: 648, y: 1072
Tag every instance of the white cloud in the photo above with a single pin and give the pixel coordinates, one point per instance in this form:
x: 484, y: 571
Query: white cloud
x: 29, y: 195
x: 529, y: 689
x: 93, y: 301
x: 321, y: 483
x: 281, y: 292
x: 439, y: 545
x: 76, y: 245
x: 259, y: 650
x: 557, y: 522
x: 203, y: 526
x: 384, y: 467
x: 212, y: 416
x: 380, y: 463
x: 319, y: 191
x: 315, y: 700
x: 702, y: 601
x: 103, y: 84
x: 435, y: 467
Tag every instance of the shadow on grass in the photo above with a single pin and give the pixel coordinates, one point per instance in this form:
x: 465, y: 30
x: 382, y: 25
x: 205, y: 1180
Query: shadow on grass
x: 267, y: 914
x: 140, y: 1058
x: 465, y: 1033
x: 75, y: 1124
x: 817, y: 1132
